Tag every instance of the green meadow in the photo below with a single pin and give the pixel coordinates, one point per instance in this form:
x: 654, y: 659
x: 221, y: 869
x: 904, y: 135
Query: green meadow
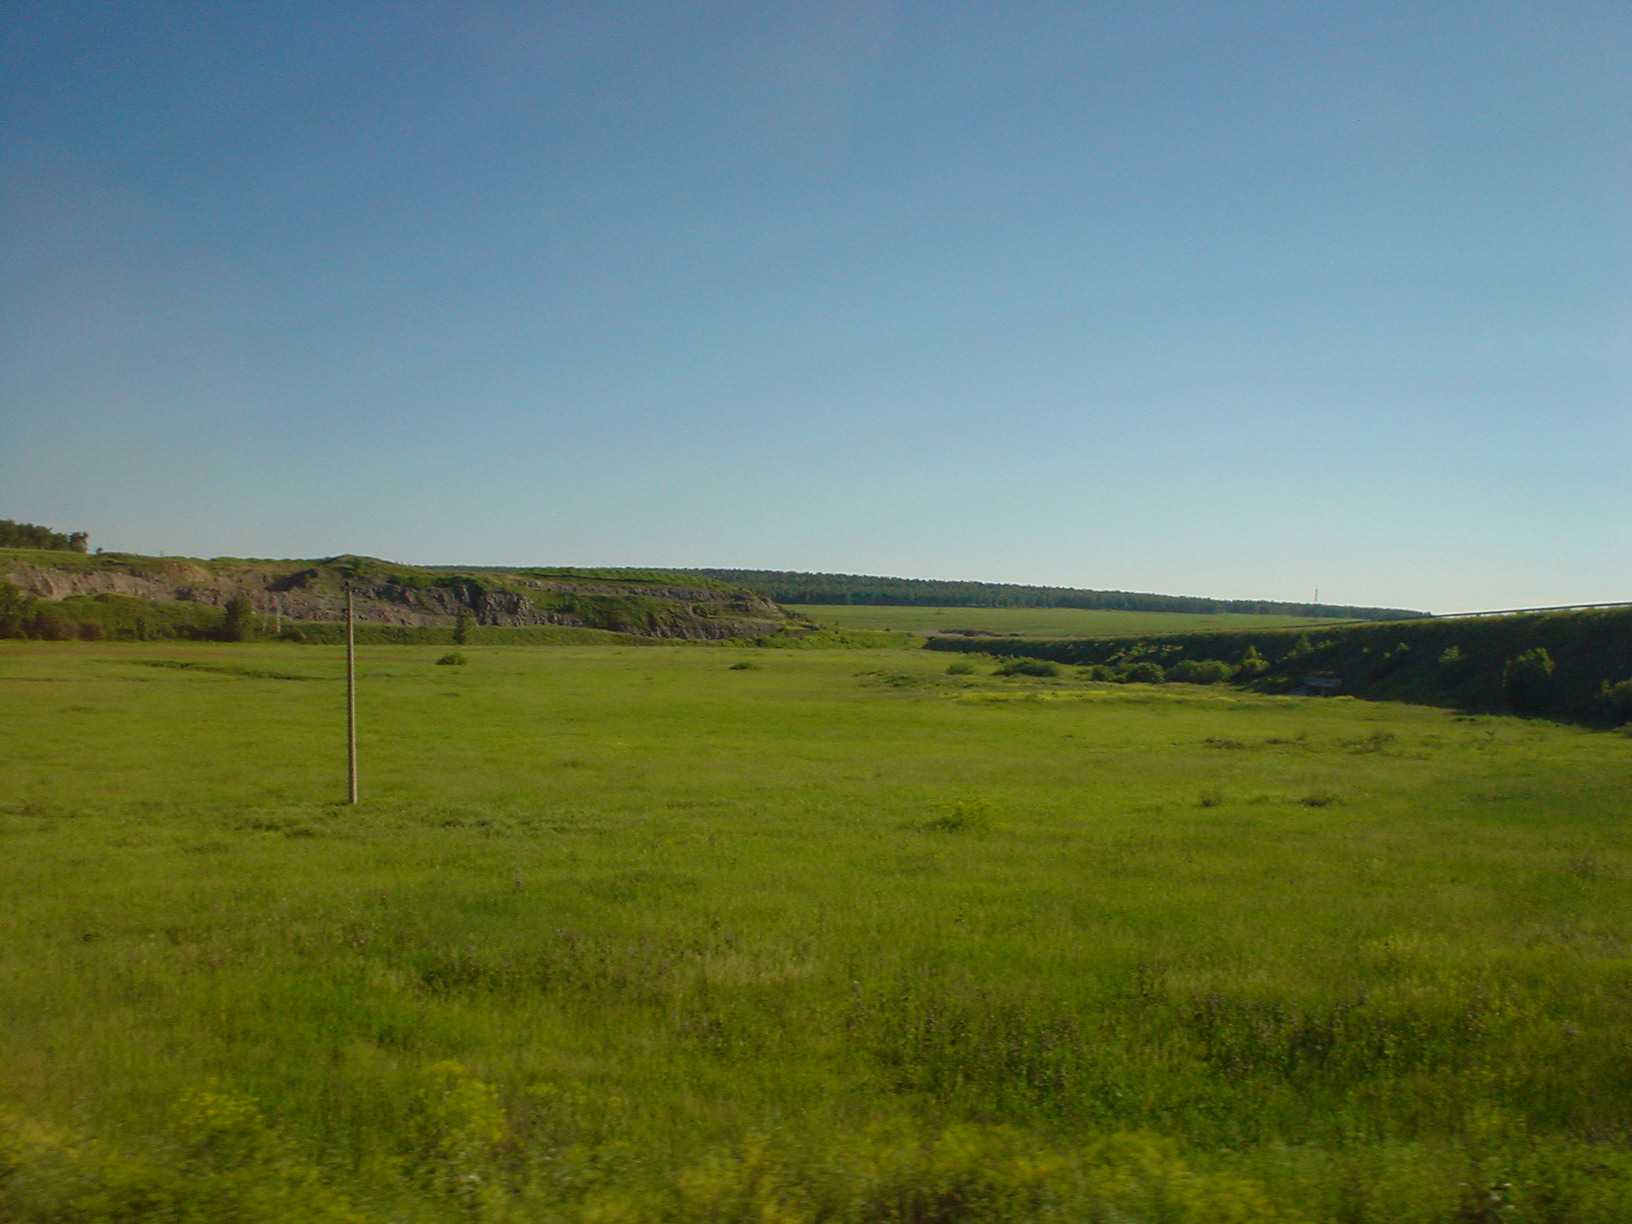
x: 679, y: 933
x: 1038, y: 622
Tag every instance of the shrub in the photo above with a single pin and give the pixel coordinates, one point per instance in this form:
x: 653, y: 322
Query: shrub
x: 237, y: 619
x: 1451, y: 656
x: 16, y: 611
x: 961, y: 668
x: 1027, y: 667
x: 91, y: 631
x: 1527, y: 679
x: 452, y: 659
x: 1252, y: 664
x: 1615, y: 700
x: 1142, y: 673
x: 1100, y: 672
x: 1199, y: 671
x: 1303, y: 646
x: 291, y: 635
x: 461, y: 627
x: 49, y: 625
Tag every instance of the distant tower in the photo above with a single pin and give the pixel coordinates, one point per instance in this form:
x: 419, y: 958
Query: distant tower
x: 1317, y: 594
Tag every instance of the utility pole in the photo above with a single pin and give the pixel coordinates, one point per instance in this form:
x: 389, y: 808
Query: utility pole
x: 351, y: 698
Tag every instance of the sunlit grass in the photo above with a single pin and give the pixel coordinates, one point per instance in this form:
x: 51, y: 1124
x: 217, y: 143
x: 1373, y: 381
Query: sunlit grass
x: 633, y: 930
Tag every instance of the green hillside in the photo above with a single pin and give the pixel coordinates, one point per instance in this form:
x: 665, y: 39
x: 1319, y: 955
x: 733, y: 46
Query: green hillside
x: 789, y: 587
x: 1026, y: 622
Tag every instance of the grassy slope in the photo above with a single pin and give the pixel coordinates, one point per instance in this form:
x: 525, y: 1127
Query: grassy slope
x: 1034, y: 622
x: 1362, y: 962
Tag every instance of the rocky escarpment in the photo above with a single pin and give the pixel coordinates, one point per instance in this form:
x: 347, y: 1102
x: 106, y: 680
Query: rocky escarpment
x: 648, y: 605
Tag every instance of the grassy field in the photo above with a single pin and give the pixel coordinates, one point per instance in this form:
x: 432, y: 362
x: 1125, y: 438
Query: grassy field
x: 665, y: 933
x: 1036, y: 622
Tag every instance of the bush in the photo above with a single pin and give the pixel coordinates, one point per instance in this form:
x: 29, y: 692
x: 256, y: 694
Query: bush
x: 1199, y: 671
x: 743, y: 665
x: 1451, y: 656
x: 16, y: 611
x: 1100, y: 672
x: 452, y: 659
x: 1027, y: 667
x: 49, y: 625
x: 1303, y: 646
x: 961, y: 668
x: 1615, y: 700
x: 461, y: 627
x: 1252, y: 664
x: 237, y: 620
x: 91, y: 631
x: 291, y: 635
x: 1527, y: 680
x: 1142, y: 673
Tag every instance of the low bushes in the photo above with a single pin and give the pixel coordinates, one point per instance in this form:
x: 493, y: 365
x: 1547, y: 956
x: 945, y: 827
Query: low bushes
x: 1143, y: 672
x: 1527, y: 679
x: 1200, y: 671
x: 1027, y: 667
x: 1615, y: 702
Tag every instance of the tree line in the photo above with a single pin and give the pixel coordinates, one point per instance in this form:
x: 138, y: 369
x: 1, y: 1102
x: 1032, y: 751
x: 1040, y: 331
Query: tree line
x: 800, y: 588
x: 32, y: 535
x: 1575, y: 665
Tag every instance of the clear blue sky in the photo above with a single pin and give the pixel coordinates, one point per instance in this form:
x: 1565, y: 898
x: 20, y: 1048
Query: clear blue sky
x: 1207, y: 299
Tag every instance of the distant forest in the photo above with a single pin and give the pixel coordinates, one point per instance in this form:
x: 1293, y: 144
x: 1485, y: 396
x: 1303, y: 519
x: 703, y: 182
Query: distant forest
x: 32, y: 535
x: 796, y: 588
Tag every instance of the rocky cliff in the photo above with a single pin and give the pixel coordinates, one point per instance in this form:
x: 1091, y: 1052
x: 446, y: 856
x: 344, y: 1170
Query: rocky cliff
x: 637, y: 602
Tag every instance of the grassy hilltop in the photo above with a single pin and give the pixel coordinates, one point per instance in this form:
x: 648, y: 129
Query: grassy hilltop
x: 627, y: 934
x: 863, y: 590
x: 982, y: 623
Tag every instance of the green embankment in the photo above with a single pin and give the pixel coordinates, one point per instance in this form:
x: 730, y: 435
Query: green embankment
x: 1460, y: 662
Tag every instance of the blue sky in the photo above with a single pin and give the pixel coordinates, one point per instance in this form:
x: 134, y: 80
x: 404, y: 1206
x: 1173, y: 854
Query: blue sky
x: 1206, y: 299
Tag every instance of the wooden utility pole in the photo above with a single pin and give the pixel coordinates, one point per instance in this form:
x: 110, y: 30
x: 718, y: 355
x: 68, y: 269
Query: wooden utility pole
x: 351, y: 698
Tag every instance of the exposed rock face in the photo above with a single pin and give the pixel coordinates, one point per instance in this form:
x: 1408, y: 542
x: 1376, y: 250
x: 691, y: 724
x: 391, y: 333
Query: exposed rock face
x: 316, y: 593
